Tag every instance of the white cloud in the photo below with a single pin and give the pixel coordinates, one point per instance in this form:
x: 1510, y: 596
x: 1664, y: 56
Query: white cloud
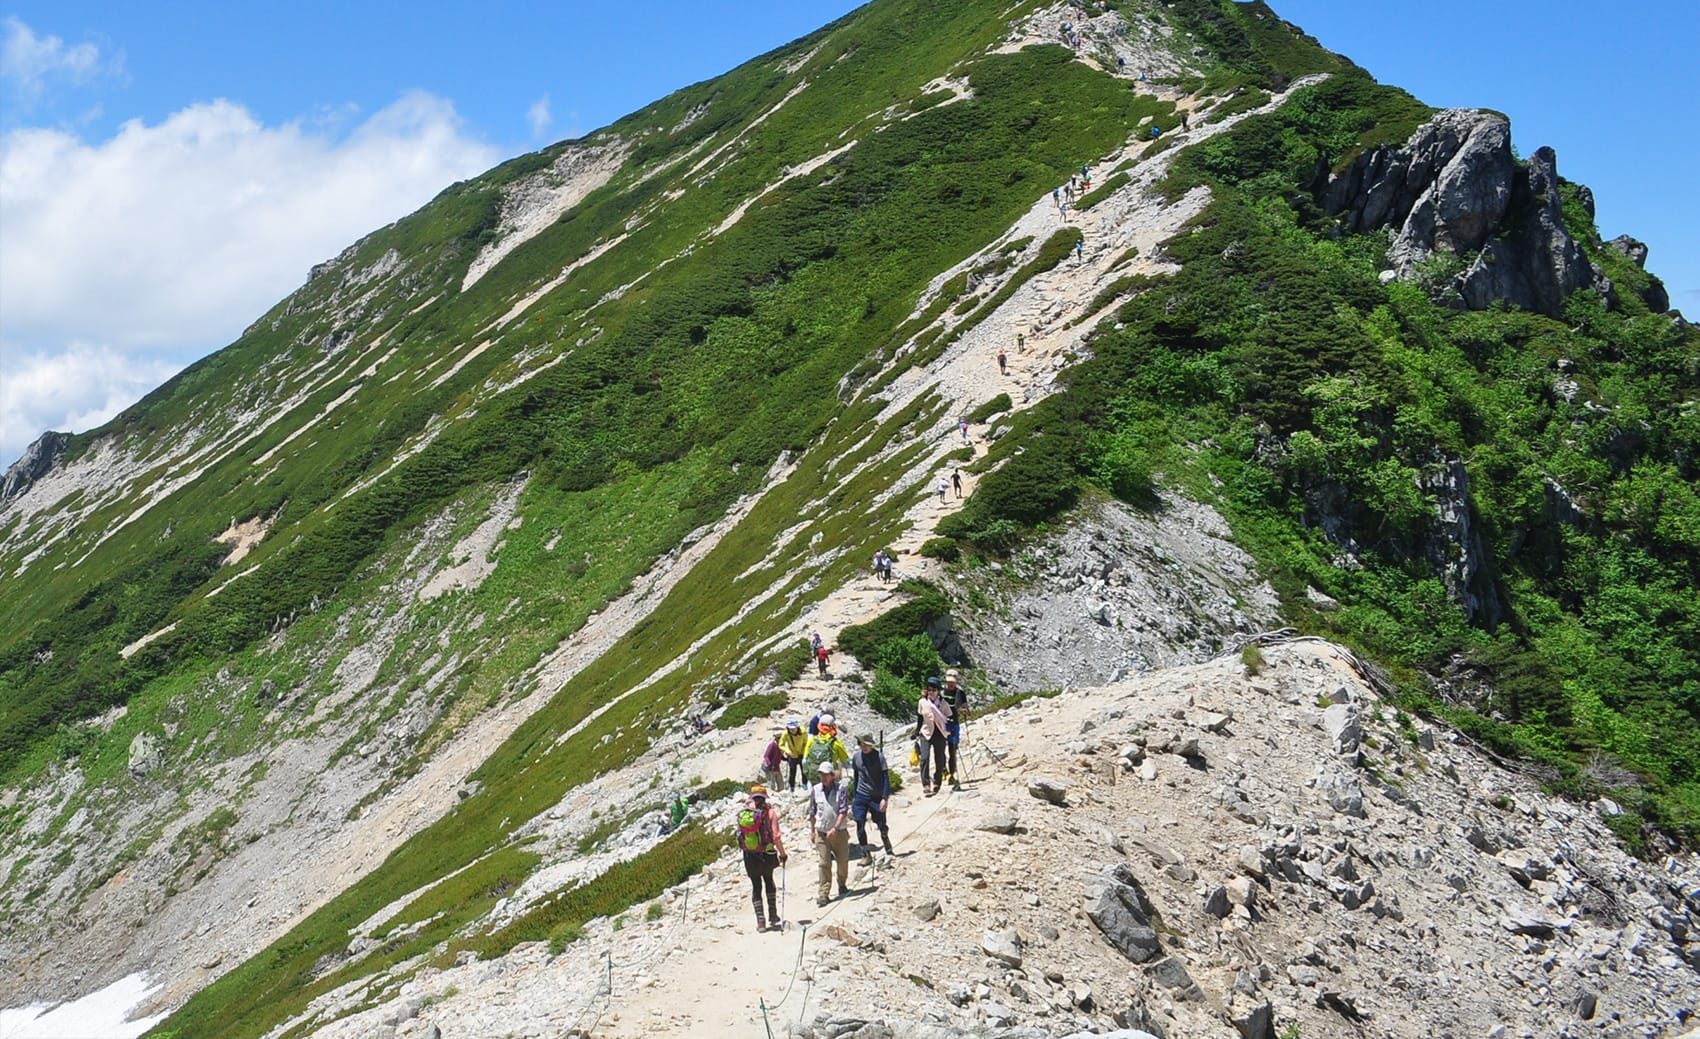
x: 124, y: 259
x: 538, y: 116
x: 28, y: 62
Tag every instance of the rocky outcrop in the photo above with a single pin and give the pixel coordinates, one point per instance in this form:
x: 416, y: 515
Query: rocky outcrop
x: 38, y: 460
x: 1447, y: 187
x: 1533, y: 262
x: 1454, y: 187
x: 1654, y: 295
x: 1455, y: 551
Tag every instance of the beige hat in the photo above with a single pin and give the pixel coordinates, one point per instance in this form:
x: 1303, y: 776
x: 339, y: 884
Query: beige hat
x: 950, y: 675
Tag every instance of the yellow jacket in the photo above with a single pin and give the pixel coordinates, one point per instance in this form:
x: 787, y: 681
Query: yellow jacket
x: 793, y: 744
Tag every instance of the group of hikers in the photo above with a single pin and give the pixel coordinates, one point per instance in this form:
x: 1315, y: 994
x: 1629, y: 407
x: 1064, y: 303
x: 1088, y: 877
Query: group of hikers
x: 841, y: 787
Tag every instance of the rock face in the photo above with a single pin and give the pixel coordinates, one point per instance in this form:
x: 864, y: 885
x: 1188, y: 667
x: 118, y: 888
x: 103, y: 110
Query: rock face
x: 38, y: 460
x: 1454, y: 187
x: 1533, y: 263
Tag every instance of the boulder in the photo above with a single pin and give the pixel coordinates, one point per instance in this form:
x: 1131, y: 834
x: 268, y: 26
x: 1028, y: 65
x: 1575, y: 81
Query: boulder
x: 927, y: 910
x: 1344, y: 724
x: 1253, y: 1020
x: 1051, y: 791
x: 145, y: 755
x: 1117, y: 905
x: 1003, y: 946
x: 1341, y: 789
x: 998, y: 820
x: 1216, y: 902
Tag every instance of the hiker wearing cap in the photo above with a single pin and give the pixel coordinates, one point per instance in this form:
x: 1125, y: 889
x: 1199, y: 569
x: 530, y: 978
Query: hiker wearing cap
x: 824, y: 745
x: 828, y: 808
x: 758, y: 838
x: 932, y: 718
x: 770, y: 759
x: 792, y: 743
x: 955, y: 699
x: 872, y: 784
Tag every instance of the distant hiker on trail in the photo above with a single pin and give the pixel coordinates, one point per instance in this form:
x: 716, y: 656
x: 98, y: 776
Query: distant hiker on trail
x: 1183, y: 121
x: 930, y: 723
x: 1121, y: 64
x: 758, y: 838
x: 828, y: 808
x: 792, y: 743
x: 872, y: 783
x: 1003, y: 362
x: 820, y: 660
x: 770, y: 759
x: 955, y: 697
x: 676, y: 813
x: 1079, y: 250
x: 1021, y: 341
x: 879, y: 563
x: 956, y: 481
x: 815, y: 642
x: 1156, y: 131
x: 943, y: 487
x: 890, y: 561
x: 824, y: 748
x: 963, y: 426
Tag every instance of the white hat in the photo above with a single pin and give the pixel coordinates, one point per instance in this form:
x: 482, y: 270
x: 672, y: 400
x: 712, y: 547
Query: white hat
x: 826, y: 719
x: 950, y: 675
x: 827, y: 766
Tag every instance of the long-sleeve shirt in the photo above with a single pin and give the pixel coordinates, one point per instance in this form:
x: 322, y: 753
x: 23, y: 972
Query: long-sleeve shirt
x: 934, y: 716
x: 793, y: 744
x: 825, y: 748
x: 827, y: 807
x: 873, y: 782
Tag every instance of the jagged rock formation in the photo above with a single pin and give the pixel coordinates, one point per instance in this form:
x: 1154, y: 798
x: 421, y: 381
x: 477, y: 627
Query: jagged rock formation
x: 1654, y: 295
x: 38, y: 460
x: 1454, y: 187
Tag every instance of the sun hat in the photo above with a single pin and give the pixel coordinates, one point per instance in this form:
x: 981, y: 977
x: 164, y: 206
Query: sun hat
x: 827, y: 766
x: 758, y: 791
x: 826, y: 719
x: 865, y: 739
x: 933, y: 681
x: 793, y: 723
x: 951, y: 674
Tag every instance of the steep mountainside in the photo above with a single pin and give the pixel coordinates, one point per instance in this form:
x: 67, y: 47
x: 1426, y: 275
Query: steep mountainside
x: 358, y: 659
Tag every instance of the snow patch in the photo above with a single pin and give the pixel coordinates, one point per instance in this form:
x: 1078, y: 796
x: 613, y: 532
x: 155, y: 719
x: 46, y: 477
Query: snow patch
x: 98, y: 1015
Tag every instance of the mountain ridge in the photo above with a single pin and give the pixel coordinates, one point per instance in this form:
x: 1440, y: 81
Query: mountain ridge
x: 512, y: 551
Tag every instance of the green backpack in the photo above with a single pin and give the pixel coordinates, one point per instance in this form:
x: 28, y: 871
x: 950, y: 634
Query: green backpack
x: 750, y: 835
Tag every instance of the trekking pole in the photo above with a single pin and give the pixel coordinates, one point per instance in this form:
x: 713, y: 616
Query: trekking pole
x: 765, y: 1023
x: 784, y: 906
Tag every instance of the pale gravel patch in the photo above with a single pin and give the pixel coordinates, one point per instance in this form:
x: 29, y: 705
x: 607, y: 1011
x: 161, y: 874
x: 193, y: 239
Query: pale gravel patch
x: 533, y: 203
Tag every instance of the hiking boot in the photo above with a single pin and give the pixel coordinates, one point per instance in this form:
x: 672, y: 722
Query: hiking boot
x: 843, y: 892
x: 761, y: 921
x: 822, y: 901
x: 888, y: 849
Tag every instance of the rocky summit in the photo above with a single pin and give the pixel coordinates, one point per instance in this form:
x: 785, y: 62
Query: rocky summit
x: 1291, y: 491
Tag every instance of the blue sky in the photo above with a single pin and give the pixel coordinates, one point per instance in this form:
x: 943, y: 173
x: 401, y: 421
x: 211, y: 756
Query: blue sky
x: 168, y: 171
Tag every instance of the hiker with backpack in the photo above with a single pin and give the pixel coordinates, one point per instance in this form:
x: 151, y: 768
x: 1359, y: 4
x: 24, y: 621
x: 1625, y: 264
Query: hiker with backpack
x: 770, y: 759
x: 824, y: 748
x: 759, y: 840
x: 792, y: 743
x: 871, y: 784
x: 820, y: 659
x: 829, y: 806
x: 932, y: 718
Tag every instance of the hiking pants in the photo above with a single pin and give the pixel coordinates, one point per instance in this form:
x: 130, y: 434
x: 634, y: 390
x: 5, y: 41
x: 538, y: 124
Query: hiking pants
x: 953, y: 736
x: 934, y: 749
x: 834, y: 849
x: 759, y: 866
x: 860, y: 810
x: 793, y: 769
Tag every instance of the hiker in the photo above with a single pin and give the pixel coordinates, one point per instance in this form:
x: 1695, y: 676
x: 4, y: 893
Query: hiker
x: 1021, y: 341
x: 792, y: 743
x: 956, y: 481
x: 955, y: 697
x: 820, y: 659
x: 1155, y: 131
x: 770, y: 759
x: 890, y: 561
x: 879, y: 563
x: 1121, y: 64
x: 824, y: 746
x: 1079, y: 250
x: 942, y: 488
x: 677, y: 811
x: 828, y: 807
x: 1003, y: 362
x: 758, y: 838
x: 1183, y: 121
x: 816, y: 642
x: 963, y: 426
x: 872, y: 785
x: 932, y: 719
